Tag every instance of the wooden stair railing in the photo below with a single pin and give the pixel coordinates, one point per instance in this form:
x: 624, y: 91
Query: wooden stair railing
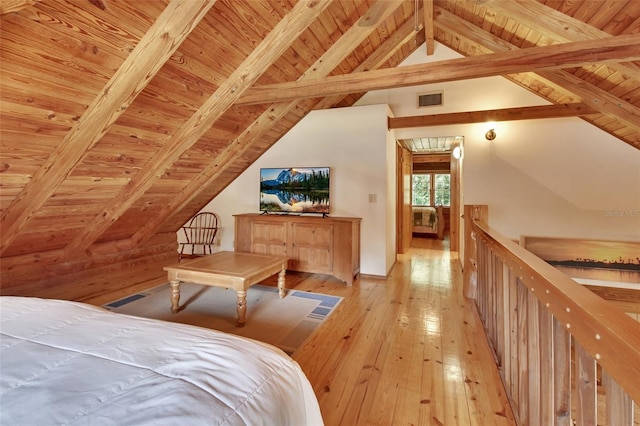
x: 564, y: 353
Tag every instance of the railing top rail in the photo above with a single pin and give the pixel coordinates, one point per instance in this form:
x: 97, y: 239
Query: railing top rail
x: 604, y: 330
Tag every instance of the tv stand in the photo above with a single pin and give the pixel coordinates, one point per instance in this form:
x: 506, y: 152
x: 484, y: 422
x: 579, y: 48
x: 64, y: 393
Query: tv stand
x: 316, y: 244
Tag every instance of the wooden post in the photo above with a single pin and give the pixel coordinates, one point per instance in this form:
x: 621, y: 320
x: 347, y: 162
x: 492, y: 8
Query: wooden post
x: 472, y: 213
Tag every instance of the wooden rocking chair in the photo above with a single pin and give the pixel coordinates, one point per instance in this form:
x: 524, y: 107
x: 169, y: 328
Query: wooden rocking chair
x: 200, y: 231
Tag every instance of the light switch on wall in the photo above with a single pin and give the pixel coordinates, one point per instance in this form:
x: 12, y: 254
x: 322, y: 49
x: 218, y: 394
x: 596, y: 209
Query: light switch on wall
x: 373, y: 198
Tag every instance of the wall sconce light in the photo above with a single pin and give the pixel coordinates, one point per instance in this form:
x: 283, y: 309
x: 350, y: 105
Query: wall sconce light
x: 490, y: 135
x: 457, y: 152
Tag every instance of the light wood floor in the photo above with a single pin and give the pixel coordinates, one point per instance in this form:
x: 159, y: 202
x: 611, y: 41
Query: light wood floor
x: 406, y: 350
x: 402, y: 350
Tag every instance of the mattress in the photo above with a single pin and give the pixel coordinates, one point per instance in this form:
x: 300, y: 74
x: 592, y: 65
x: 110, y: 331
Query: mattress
x: 70, y: 363
x: 426, y: 217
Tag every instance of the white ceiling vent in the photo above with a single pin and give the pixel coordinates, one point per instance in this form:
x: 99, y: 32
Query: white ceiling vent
x: 431, y: 99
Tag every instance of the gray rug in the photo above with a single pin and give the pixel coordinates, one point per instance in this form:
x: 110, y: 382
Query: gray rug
x: 285, y: 323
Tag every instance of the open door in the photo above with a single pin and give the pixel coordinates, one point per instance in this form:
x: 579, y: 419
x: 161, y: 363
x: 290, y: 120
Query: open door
x: 403, y: 204
x: 455, y: 222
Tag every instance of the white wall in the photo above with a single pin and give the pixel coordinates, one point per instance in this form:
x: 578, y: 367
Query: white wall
x: 354, y: 143
x: 391, y: 191
x: 554, y: 177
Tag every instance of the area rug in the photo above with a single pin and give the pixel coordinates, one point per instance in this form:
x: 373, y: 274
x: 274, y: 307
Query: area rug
x: 285, y: 323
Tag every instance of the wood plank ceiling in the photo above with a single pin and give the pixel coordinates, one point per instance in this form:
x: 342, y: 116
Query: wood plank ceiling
x: 120, y: 120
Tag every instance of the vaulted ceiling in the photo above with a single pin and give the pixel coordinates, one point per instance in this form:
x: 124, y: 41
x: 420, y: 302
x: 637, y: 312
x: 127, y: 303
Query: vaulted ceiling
x: 121, y: 119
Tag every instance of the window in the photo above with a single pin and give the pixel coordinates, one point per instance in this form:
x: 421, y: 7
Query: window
x: 431, y: 189
x: 421, y: 190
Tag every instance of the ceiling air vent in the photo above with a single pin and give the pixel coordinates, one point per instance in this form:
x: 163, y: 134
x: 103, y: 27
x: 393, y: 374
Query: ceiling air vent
x: 431, y: 99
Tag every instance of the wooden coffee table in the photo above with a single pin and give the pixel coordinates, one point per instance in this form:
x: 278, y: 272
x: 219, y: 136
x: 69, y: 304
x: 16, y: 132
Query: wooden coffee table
x: 227, y: 269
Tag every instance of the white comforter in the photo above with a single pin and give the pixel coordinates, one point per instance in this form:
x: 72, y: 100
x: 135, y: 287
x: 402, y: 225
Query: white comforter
x: 425, y: 216
x: 71, y: 363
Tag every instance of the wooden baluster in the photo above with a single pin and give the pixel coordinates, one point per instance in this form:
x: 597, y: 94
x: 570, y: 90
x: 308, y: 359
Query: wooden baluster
x: 586, y: 387
x: 523, y: 353
x: 480, y: 278
x: 514, y: 371
x: 492, y: 318
x: 502, y: 311
x: 533, y: 350
x: 546, y: 365
x: 619, y: 406
x: 561, y: 374
x: 486, y: 260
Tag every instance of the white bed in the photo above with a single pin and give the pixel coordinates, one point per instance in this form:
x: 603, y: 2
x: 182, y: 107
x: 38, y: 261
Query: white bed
x: 70, y: 363
x: 428, y: 220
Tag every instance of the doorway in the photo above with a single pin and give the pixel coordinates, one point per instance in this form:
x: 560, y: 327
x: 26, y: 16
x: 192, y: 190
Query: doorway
x: 429, y: 173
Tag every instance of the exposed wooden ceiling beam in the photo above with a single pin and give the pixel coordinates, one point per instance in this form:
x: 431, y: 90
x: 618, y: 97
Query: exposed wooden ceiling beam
x: 614, y: 49
x: 556, y: 25
x: 352, y: 38
x: 507, y: 114
x: 599, y: 99
x: 404, y: 34
x: 259, y: 60
x: 164, y: 37
x: 8, y: 6
x: 429, y: 33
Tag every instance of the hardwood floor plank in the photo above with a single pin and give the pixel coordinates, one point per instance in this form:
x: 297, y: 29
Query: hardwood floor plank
x: 432, y: 395
x: 342, y: 380
x: 456, y: 404
x: 361, y: 402
x: 395, y: 370
x: 409, y: 399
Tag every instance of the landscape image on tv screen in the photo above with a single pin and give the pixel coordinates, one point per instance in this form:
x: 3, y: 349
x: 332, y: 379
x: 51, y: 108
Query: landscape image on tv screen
x: 294, y: 190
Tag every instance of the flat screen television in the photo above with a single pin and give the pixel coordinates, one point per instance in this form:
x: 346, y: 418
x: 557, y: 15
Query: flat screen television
x: 294, y: 190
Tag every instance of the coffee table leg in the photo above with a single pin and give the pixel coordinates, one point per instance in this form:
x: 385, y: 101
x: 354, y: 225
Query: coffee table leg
x: 242, y: 307
x: 281, y: 281
x: 175, y: 296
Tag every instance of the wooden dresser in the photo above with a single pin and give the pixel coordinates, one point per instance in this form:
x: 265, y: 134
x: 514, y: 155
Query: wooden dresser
x: 322, y: 245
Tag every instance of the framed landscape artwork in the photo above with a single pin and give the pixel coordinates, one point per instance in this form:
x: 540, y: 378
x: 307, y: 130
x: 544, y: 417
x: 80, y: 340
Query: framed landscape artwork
x: 612, y: 261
